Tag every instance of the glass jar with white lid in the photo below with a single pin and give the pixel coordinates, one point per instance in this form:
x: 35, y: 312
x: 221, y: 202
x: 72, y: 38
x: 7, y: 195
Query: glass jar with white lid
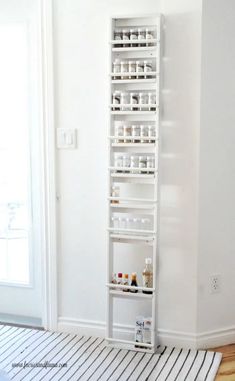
x: 135, y: 133
x: 133, y: 36
x: 132, y: 69
x: 124, y: 69
x: 124, y: 101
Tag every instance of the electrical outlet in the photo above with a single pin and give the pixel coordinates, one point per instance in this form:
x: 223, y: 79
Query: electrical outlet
x: 215, y: 284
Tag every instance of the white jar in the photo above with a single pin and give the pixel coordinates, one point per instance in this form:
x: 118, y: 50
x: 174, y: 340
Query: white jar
x: 132, y: 69
x: 152, y: 101
x: 134, y: 162
x: 124, y: 101
x: 135, y: 133
x: 150, y: 162
x: 142, y: 162
x: 148, y: 67
x: 151, y: 133
x: 116, y: 68
x: 115, y: 222
x: 143, y: 132
x: 134, y: 100
x: 140, y: 68
x: 116, y: 100
x: 143, y: 100
x: 126, y: 161
x: 124, y: 68
x: 141, y: 35
x: 118, y: 132
x: 126, y: 133
x: 133, y: 36
x: 125, y: 36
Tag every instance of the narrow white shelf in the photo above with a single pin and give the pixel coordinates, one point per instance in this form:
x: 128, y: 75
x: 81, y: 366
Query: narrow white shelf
x: 110, y: 339
x: 135, y: 49
x: 137, y: 80
x: 132, y: 231
x: 130, y: 295
x: 131, y: 206
x: 120, y: 287
x: 148, y: 41
x: 133, y: 145
x: 145, y: 138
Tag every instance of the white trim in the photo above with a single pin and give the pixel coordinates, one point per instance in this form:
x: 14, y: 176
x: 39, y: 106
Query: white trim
x: 49, y: 260
x: 170, y: 338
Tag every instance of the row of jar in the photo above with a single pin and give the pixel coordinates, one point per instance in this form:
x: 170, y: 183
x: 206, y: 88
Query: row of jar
x: 131, y: 223
x: 134, y: 162
x: 129, y: 67
x: 139, y: 133
x: 121, y: 101
x: 134, y: 34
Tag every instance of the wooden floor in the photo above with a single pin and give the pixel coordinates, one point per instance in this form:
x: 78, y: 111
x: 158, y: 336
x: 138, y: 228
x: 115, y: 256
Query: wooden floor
x: 227, y: 367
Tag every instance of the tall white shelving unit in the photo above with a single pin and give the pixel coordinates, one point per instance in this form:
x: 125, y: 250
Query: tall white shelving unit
x: 145, y: 203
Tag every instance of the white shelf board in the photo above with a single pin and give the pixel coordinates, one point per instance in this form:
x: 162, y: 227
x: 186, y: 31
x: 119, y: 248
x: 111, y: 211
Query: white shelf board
x: 119, y: 287
x: 133, y: 145
x: 132, y: 231
x: 133, y: 138
x: 110, y: 339
x: 130, y: 295
x: 133, y: 199
x: 137, y: 80
x: 148, y: 41
x: 131, y: 206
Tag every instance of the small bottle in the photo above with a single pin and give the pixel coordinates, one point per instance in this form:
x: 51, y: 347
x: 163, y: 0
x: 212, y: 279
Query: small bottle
x: 119, y: 278
x: 114, y: 280
x: 125, y: 282
x: 134, y: 282
x: 148, y: 275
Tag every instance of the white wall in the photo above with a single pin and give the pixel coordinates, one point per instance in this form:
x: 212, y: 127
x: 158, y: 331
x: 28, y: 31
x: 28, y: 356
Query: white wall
x: 217, y: 169
x: 81, y: 88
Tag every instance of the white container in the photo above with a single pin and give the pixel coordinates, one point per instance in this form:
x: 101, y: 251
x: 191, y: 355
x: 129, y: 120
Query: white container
x: 126, y: 161
x: 134, y: 162
x: 152, y: 101
x: 125, y: 36
x: 115, y: 222
x: 141, y: 35
x: 135, y: 132
x: 143, y: 100
x: 134, y: 100
x: 139, y: 69
x: 124, y: 101
x: 143, y: 132
x: 116, y: 100
x: 132, y: 69
x: 124, y: 66
x: 151, y: 133
x: 118, y: 132
x: 148, y: 67
x: 118, y: 162
x: 133, y: 36
x: 116, y: 68
x: 142, y: 162
x: 126, y: 133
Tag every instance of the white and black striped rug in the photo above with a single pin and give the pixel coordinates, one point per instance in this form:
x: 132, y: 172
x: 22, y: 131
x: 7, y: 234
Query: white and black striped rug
x: 29, y: 354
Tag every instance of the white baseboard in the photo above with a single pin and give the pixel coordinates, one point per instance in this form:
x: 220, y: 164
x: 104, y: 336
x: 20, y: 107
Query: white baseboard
x: 170, y: 338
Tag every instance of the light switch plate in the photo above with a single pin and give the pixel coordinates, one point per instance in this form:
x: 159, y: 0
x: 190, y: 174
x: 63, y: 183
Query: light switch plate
x: 66, y: 138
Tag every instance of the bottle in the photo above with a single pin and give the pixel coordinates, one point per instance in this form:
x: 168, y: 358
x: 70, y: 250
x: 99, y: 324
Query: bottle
x: 125, y: 282
x: 114, y: 280
x: 148, y: 275
x: 134, y: 282
x: 119, y: 279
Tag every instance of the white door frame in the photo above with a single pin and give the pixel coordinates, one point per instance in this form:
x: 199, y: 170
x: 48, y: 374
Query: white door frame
x: 48, y: 201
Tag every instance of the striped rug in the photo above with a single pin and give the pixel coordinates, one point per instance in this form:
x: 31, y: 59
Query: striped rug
x: 29, y: 354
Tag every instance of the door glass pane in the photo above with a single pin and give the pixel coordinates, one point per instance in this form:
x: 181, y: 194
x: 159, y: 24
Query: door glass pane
x: 15, y: 209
